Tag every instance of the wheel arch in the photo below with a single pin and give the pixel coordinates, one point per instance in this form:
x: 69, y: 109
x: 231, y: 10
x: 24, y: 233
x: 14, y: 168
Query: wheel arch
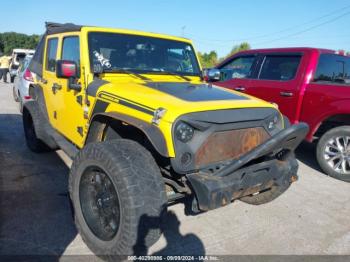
x: 330, y: 122
x: 31, y: 109
x: 31, y: 90
x: 101, y: 121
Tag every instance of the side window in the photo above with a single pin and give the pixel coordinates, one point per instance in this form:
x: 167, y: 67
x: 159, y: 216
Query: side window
x: 24, y: 65
x: 51, y: 54
x: 240, y: 67
x: 71, y: 50
x: 333, y: 68
x: 279, y: 67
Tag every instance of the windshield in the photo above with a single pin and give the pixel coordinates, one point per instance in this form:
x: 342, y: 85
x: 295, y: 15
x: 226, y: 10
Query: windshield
x: 112, y: 52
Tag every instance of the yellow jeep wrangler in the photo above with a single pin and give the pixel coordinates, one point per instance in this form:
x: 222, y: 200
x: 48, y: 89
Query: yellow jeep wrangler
x: 130, y: 108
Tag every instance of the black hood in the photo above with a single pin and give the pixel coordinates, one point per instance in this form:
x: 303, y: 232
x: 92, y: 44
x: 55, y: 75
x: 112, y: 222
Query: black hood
x: 195, y: 92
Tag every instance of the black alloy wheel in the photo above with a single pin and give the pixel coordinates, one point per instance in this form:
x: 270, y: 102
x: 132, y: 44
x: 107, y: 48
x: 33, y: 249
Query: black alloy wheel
x: 99, y: 203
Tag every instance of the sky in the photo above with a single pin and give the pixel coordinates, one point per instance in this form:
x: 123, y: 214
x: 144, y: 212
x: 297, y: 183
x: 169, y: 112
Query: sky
x: 212, y: 25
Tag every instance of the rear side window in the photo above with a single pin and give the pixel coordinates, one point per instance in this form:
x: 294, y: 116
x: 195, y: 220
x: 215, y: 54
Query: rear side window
x: 70, y: 49
x: 333, y: 68
x: 240, y: 67
x: 51, y: 54
x: 24, y: 64
x: 279, y: 67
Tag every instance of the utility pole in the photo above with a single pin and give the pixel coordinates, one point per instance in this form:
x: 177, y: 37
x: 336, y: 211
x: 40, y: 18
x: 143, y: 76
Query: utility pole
x: 183, y: 31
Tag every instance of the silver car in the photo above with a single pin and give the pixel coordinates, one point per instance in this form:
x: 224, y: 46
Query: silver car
x: 17, y: 59
x: 22, y: 82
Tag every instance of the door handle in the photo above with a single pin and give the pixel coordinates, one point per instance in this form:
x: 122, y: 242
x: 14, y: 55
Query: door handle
x: 56, y: 87
x: 240, y: 88
x: 44, y: 81
x: 286, y: 94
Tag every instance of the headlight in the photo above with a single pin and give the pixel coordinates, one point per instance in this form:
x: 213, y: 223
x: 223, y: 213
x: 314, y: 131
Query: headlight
x: 274, y: 123
x: 184, y: 132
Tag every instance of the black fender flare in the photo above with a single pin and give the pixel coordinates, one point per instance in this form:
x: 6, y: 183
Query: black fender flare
x: 152, y: 132
x: 40, y: 122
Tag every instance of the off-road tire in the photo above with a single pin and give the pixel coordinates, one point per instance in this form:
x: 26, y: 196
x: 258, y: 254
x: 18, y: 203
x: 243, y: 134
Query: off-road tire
x: 140, y: 189
x: 266, y: 196
x: 30, y: 132
x: 335, y: 132
x: 15, y: 95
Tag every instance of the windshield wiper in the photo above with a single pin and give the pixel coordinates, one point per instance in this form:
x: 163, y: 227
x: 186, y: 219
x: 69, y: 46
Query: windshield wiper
x: 122, y: 70
x: 174, y: 74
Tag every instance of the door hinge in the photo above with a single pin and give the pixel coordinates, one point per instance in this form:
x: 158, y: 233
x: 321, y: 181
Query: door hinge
x: 56, y: 87
x: 80, y: 130
x: 80, y: 100
x: 55, y: 114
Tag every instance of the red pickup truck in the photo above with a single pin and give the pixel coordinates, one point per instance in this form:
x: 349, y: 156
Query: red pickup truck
x: 309, y: 85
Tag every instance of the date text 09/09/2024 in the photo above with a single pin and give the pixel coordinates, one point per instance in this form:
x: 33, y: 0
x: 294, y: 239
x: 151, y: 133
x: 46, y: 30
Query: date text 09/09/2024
x: 173, y: 258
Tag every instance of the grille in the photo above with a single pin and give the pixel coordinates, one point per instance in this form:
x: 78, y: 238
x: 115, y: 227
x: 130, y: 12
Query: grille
x: 226, y: 145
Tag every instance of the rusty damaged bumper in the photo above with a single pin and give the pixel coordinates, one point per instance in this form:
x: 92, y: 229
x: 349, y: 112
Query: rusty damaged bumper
x: 271, y: 163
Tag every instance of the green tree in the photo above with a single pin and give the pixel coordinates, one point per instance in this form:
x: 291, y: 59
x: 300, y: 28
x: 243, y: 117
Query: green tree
x: 238, y: 48
x: 11, y: 40
x: 208, y: 60
x: 1, y: 46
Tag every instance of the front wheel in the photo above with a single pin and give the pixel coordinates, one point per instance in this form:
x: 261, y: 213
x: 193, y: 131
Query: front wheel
x: 118, y: 196
x: 333, y: 153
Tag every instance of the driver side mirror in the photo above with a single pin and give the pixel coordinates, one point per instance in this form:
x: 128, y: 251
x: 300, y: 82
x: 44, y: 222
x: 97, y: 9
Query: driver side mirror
x: 68, y: 69
x: 214, y: 75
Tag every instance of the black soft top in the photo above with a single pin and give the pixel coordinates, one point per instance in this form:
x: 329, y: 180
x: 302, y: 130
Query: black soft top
x: 36, y: 64
x: 54, y: 28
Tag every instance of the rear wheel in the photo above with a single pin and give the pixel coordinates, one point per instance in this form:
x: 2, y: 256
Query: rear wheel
x: 333, y: 153
x: 118, y: 196
x: 266, y: 196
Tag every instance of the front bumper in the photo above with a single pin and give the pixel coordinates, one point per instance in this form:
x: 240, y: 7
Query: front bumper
x: 271, y: 163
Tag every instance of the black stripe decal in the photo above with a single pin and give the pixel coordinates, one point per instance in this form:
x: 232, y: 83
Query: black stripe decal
x: 122, y: 98
x: 93, y: 87
x: 126, y: 102
x: 100, y: 107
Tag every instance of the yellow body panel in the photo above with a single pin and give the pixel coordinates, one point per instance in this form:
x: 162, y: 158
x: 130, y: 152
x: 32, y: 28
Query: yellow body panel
x: 69, y: 114
x: 65, y: 114
x: 133, y: 89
